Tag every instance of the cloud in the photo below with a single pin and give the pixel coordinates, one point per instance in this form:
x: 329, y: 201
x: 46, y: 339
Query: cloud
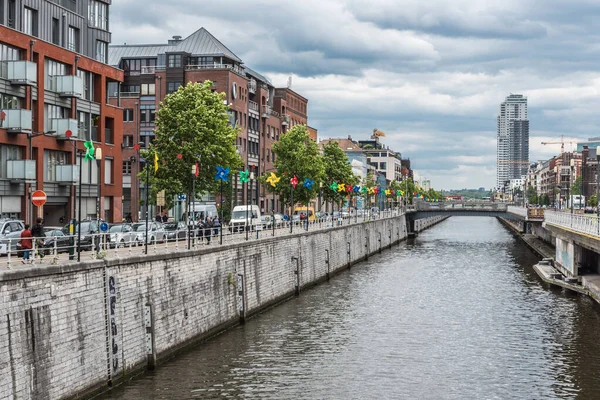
x: 429, y: 74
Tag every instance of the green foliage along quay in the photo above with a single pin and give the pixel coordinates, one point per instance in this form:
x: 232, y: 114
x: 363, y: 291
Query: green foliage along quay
x: 192, y: 126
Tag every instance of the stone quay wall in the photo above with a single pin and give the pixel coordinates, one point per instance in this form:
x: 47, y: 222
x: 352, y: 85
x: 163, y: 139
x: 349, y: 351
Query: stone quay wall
x: 424, y: 223
x: 69, y: 331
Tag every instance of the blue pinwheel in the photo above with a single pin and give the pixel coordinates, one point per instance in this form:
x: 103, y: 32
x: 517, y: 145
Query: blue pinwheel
x: 222, y: 174
x: 308, y: 183
x: 356, y: 189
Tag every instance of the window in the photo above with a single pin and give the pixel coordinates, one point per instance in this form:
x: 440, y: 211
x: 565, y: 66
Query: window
x: 73, y: 39
x: 53, y: 68
x: 101, y: 51
x: 98, y: 15
x: 152, y: 115
x: 128, y: 115
x: 108, y: 171
x: 95, y: 133
x: 8, y: 102
x: 52, y: 112
x: 56, y: 31
x: 8, y: 153
x: 30, y: 21
x: 89, y: 171
x: 84, y: 124
x: 127, y: 141
x: 173, y: 86
x: 174, y: 60
x: 126, y: 167
x: 1, y: 12
x: 53, y: 158
x: 88, y: 86
x: 148, y: 89
x: 12, y: 13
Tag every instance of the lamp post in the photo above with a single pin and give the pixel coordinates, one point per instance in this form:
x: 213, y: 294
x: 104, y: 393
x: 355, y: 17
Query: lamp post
x: 98, y: 155
x: 598, y: 187
x: 556, y: 204
x: 571, y: 176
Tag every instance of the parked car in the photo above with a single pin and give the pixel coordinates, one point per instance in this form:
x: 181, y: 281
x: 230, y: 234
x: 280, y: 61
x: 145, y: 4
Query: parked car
x: 89, y: 231
x: 266, y: 221
x: 7, y: 226
x: 242, y: 215
x: 122, y: 235
x: 54, y: 234
x: 156, y: 232
x: 175, y: 230
x: 12, y: 238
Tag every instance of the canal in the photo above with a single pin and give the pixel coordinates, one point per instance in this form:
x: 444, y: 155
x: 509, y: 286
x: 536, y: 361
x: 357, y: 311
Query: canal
x: 457, y: 313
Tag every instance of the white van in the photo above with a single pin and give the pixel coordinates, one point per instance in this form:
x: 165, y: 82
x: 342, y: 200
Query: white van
x: 202, y: 211
x: 240, y: 214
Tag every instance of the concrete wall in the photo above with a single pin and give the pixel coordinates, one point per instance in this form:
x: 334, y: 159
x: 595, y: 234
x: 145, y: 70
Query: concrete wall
x: 424, y: 223
x: 68, y: 330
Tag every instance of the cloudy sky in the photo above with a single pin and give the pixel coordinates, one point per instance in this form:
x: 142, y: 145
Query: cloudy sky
x: 430, y: 74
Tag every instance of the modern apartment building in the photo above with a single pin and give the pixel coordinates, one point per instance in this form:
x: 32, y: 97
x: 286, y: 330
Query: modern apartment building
x: 513, y: 139
x: 53, y: 96
x: 261, y: 111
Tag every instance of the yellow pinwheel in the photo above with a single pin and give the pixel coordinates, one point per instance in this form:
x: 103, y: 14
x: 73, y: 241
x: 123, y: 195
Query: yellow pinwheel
x: 341, y: 187
x: 371, y: 190
x: 273, y: 179
x: 388, y: 192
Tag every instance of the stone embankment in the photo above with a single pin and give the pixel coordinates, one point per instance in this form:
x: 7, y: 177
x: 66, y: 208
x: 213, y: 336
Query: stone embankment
x: 71, y: 330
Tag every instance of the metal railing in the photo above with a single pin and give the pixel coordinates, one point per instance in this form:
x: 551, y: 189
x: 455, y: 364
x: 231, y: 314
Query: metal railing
x: 252, y: 105
x: 63, y: 249
x: 230, y: 67
x: 583, y: 223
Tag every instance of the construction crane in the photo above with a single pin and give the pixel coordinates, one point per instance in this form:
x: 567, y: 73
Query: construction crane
x: 562, y: 143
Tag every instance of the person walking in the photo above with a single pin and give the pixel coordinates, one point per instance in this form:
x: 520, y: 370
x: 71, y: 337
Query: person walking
x: 38, y: 235
x: 208, y: 229
x: 26, y: 243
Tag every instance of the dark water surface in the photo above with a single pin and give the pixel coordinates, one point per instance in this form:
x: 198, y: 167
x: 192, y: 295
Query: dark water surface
x: 457, y: 313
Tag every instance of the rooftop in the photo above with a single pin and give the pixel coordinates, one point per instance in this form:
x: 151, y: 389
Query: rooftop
x: 344, y: 144
x: 199, y: 43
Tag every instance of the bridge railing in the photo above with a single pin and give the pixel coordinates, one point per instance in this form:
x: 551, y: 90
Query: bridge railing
x: 583, y: 223
x: 461, y: 205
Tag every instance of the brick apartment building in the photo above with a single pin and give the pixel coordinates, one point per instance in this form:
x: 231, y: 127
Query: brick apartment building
x: 53, y: 79
x: 261, y: 111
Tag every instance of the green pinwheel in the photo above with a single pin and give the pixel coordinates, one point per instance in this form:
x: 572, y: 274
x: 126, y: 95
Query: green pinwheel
x: 89, y: 151
x: 334, y: 186
x: 244, y: 176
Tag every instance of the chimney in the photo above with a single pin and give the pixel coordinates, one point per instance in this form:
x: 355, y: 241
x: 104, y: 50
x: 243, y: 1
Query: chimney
x: 350, y: 137
x: 176, y: 39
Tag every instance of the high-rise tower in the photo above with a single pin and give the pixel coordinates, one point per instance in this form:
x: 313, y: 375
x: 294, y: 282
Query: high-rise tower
x: 513, y: 139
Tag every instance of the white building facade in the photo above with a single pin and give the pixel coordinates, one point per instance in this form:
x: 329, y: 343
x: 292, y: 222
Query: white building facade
x: 513, y: 139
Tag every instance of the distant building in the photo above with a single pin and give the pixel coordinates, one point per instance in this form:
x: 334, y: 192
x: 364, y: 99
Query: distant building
x: 592, y: 143
x: 386, y: 161
x: 356, y: 157
x: 513, y: 139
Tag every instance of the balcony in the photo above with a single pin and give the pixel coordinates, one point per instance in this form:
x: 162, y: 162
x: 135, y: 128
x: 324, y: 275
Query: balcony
x: 62, y: 125
x: 20, y: 72
x: 201, y: 67
x: 151, y: 69
x: 16, y: 120
x: 252, y: 105
x: 20, y: 170
x: 68, y: 85
x: 252, y: 86
x: 67, y: 174
x: 267, y: 111
x: 285, y: 120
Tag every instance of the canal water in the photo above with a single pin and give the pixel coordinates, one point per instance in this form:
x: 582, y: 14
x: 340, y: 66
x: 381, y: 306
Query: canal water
x: 457, y: 313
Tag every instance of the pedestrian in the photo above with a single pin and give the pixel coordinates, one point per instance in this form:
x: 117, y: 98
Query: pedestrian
x: 158, y: 218
x: 38, y: 234
x: 128, y: 218
x: 208, y: 229
x: 216, y: 225
x: 165, y: 218
x: 26, y: 243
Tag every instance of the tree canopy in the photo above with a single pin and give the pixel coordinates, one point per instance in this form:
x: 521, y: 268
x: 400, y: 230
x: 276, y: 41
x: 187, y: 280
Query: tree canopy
x: 337, y: 169
x: 297, y: 155
x: 192, y: 127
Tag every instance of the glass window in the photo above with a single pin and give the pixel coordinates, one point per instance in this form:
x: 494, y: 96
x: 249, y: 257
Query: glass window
x: 56, y: 31
x: 53, y: 158
x: 174, y: 60
x: 89, y: 171
x: 101, y: 51
x: 8, y: 102
x: 128, y: 115
x: 30, y: 21
x: 88, y: 87
x: 148, y: 89
x: 126, y: 167
x: 73, y: 39
x: 98, y: 15
x: 173, y: 86
x: 52, y: 112
x: 53, y: 68
x: 8, y: 153
x: 84, y: 124
x: 12, y: 14
x: 108, y: 171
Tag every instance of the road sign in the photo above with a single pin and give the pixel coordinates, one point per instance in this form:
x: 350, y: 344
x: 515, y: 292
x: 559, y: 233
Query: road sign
x: 104, y: 227
x: 38, y: 198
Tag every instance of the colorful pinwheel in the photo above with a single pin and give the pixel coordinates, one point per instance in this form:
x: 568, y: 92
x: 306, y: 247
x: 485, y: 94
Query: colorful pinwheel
x: 308, y: 183
x: 349, y: 188
x: 222, y: 174
x: 244, y: 176
x: 89, y: 151
x: 364, y: 190
x: 356, y: 189
x: 388, y: 192
x: 273, y: 179
x: 294, y: 181
x: 341, y: 188
x: 334, y: 186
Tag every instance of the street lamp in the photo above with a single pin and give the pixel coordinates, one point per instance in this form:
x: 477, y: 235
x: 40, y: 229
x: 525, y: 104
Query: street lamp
x: 98, y: 156
x: 598, y: 187
x: 571, y: 175
x: 555, y: 187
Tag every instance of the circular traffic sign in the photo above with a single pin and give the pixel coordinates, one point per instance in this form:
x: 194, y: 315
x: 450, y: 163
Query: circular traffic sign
x: 104, y: 227
x: 38, y: 198
x: 69, y: 133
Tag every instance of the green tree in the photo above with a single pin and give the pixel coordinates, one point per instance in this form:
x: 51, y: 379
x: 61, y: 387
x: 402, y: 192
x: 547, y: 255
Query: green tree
x: 297, y: 155
x: 337, y: 169
x: 576, y: 189
x: 192, y: 126
x: 593, y: 201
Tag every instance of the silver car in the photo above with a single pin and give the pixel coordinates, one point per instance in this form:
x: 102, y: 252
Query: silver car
x: 8, y: 226
x: 156, y: 232
x: 122, y: 235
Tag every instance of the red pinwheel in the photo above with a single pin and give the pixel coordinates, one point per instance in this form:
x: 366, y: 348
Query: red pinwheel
x: 294, y: 181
